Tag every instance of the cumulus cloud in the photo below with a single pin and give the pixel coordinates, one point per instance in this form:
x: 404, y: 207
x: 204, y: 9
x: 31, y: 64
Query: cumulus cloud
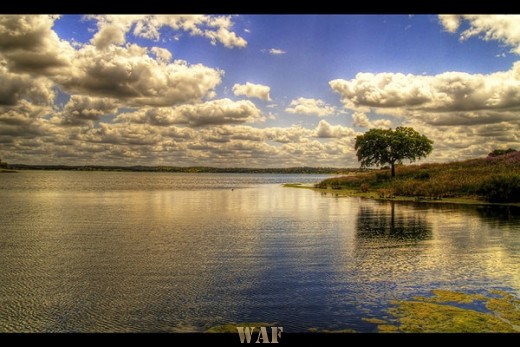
x: 112, y: 29
x: 251, y: 90
x: 130, y: 104
x: 163, y: 55
x: 16, y: 87
x: 81, y: 110
x: 325, y: 130
x: 215, y: 112
x: 502, y: 28
x: 276, y: 51
x: 24, y: 101
x: 108, y: 35
x: 308, y: 106
x: 446, y: 92
x: 464, y: 142
x: 24, y: 120
x: 450, y: 22
x: 129, y: 73
x: 361, y: 120
x: 442, y: 106
x: 29, y: 45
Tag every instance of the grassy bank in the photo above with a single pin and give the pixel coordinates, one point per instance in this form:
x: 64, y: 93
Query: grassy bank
x: 481, y: 180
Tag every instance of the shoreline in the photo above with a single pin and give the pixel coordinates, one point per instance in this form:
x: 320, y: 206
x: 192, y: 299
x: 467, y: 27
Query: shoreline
x: 374, y: 196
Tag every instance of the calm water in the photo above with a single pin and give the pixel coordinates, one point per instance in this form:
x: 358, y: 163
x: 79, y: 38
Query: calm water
x: 149, y: 252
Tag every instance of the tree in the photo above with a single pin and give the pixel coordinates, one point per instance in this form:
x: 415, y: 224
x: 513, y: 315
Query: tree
x: 387, y: 146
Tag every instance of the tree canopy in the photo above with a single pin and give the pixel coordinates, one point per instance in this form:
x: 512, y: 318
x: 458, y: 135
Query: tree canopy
x: 387, y: 146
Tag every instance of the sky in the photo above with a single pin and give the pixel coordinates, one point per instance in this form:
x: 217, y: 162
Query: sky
x: 253, y: 90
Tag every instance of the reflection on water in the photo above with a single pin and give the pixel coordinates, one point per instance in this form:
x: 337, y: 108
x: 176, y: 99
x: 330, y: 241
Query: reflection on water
x: 181, y: 252
x: 502, y: 215
x: 385, y: 222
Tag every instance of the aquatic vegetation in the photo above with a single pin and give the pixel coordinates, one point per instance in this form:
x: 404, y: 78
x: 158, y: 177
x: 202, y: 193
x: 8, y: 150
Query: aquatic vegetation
x: 507, y: 308
x: 442, y: 313
x: 445, y: 296
x: 437, y: 318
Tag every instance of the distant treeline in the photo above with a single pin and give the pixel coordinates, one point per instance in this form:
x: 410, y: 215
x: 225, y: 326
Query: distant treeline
x: 191, y: 169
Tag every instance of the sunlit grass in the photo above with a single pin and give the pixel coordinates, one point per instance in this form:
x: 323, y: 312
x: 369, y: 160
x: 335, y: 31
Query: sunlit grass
x: 494, y: 179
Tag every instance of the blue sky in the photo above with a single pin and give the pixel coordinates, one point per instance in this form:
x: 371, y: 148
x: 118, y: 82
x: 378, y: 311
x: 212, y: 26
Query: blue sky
x: 253, y: 90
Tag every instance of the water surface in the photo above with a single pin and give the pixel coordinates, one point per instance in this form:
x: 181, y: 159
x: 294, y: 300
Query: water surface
x: 153, y: 252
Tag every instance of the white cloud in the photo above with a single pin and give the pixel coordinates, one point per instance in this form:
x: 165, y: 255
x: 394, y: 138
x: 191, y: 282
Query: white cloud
x: 133, y: 105
x: 464, y: 114
x: 277, y: 51
x: 131, y: 75
x: 215, y: 112
x: 450, y: 22
x: 108, y: 35
x: 325, y: 130
x: 16, y: 87
x: 310, y: 107
x: 502, y: 28
x: 446, y: 92
x: 81, y: 110
x: 113, y: 28
x: 163, y: 55
x: 361, y: 120
x: 464, y: 142
x: 29, y: 45
x: 251, y: 90
x: 163, y: 108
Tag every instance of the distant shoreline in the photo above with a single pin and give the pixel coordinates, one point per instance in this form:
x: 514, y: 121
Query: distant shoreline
x: 191, y: 169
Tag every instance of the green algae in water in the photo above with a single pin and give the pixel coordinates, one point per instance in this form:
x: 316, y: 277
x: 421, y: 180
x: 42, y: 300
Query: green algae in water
x: 444, y: 296
x: 440, y: 314
x: 374, y: 320
x: 416, y: 316
x: 506, y: 308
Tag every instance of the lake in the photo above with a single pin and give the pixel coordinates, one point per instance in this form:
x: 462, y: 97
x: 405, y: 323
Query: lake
x: 172, y: 252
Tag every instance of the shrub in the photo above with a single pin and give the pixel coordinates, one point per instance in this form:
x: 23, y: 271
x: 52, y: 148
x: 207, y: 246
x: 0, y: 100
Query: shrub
x: 498, y: 152
x: 422, y: 176
x: 383, y: 176
x: 504, y: 188
x: 364, y: 187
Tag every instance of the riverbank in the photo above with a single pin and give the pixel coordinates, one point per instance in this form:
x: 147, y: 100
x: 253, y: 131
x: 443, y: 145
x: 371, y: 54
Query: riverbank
x: 375, y: 196
x: 480, y: 181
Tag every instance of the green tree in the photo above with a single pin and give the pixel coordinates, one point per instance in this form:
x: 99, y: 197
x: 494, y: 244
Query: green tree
x: 387, y: 146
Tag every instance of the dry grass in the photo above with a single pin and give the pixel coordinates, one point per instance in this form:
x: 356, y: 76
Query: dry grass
x: 437, y: 181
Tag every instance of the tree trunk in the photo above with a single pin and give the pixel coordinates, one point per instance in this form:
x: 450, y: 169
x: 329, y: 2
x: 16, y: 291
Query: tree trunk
x: 393, y: 169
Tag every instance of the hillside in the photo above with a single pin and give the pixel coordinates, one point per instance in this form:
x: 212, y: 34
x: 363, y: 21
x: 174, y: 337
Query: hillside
x: 492, y: 179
